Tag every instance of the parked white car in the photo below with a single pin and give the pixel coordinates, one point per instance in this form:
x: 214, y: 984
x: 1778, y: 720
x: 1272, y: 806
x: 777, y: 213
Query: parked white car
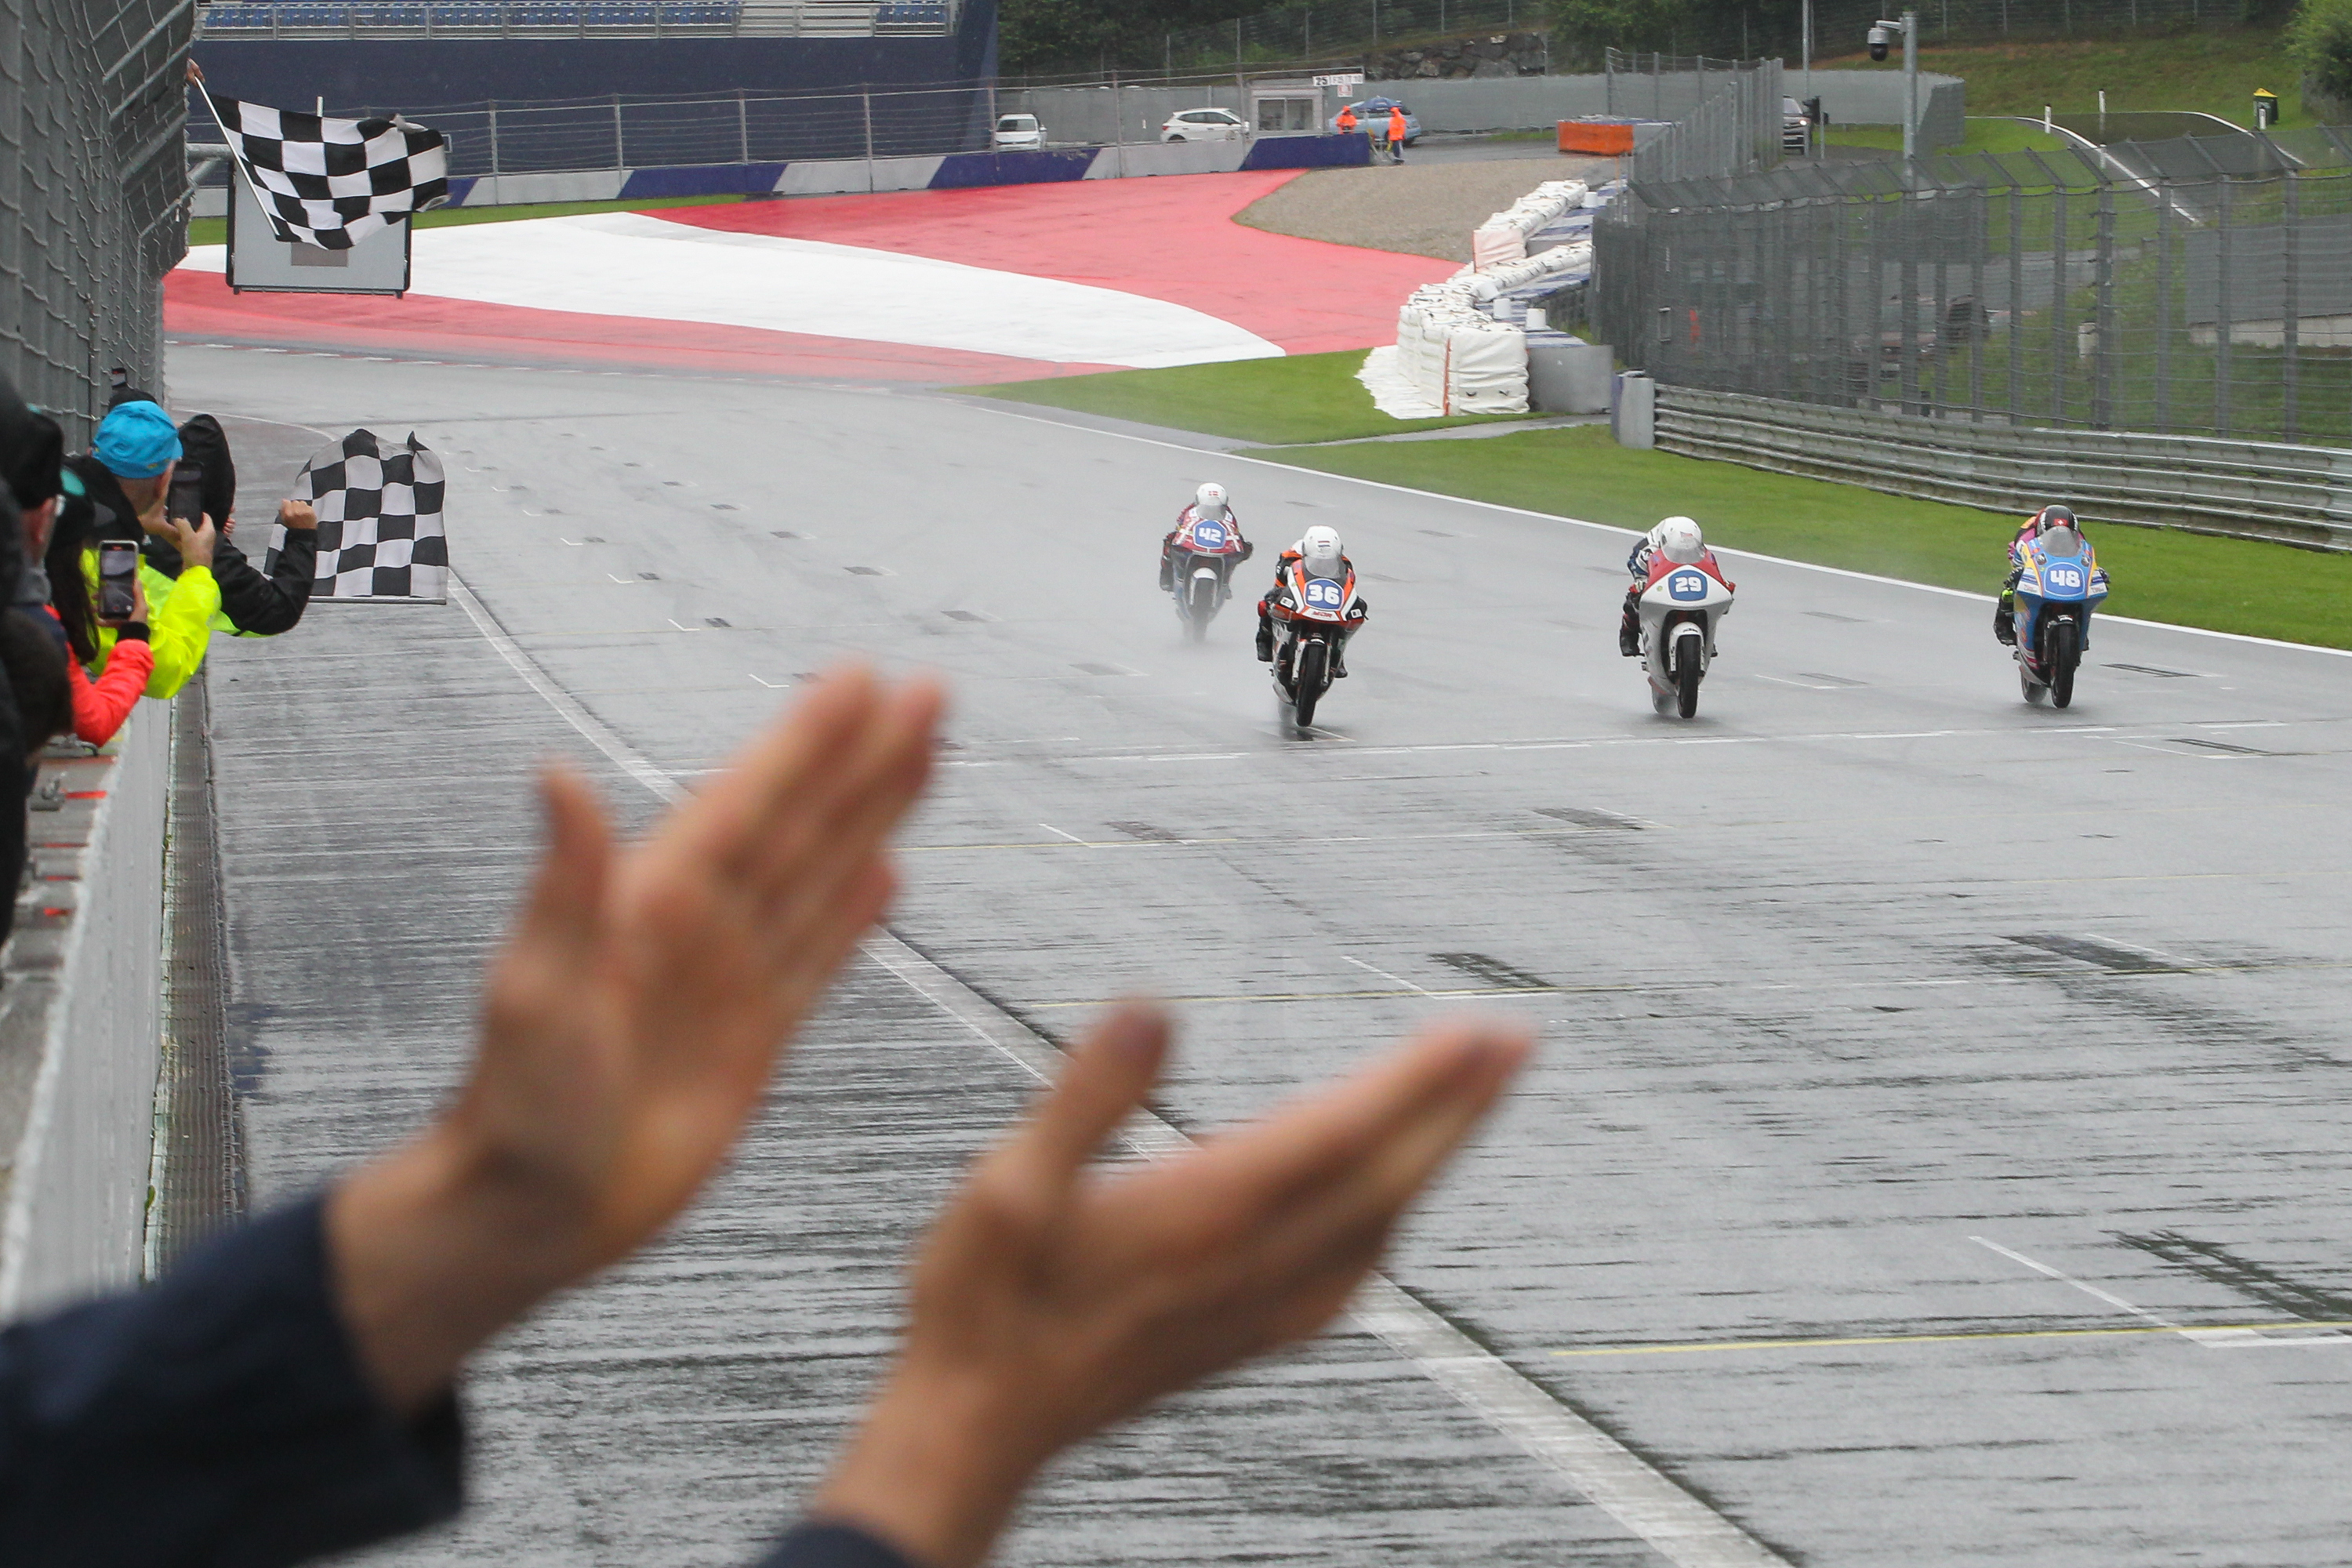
x: 1018, y: 133
x: 1204, y: 125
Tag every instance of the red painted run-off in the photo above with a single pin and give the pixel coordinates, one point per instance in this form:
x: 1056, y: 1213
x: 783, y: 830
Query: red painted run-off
x: 1172, y: 238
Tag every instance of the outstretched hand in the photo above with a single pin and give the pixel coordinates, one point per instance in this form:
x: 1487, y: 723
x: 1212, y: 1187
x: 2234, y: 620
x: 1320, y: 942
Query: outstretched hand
x: 629, y: 1029
x: 1050, y: 1302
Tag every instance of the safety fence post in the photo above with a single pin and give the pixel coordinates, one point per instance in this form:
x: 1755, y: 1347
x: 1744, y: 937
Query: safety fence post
x: 866, y: 102
x: 742, y: 126
x: 494, y: 136
x: 620, y: 144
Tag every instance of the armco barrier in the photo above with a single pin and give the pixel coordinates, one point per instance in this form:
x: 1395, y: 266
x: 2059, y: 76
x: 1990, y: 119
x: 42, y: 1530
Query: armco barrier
x: 80, y: 1024
x: 2250, y: 490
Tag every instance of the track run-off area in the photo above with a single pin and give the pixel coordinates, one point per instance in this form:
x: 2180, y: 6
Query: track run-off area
x: 1935, y: 1152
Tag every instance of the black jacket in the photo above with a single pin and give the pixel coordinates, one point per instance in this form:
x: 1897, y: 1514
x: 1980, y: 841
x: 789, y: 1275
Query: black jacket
x: 255, y: 604
x: 220, y: 1420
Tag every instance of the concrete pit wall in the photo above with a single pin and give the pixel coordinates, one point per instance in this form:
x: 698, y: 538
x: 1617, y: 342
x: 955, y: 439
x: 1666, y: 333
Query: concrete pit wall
x: 81, y: 1024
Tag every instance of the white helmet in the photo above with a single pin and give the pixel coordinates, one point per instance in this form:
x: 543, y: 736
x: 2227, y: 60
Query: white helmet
x: 1320, y: 551
x: 1209, y: 500
x: 1679, y: 540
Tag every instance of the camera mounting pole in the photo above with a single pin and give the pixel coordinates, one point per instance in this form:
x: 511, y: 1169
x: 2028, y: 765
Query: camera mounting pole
x: 1909, y: 27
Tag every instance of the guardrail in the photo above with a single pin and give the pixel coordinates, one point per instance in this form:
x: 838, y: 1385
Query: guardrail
x: 82, y: 1023
x: 2247, y: 490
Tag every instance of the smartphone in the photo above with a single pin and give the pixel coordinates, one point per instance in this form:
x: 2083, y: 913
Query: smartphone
x: 118, y: 570
x: 186, y: 502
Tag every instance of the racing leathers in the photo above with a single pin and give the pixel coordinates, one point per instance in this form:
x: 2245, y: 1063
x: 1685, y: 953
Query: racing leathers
x: 1290, y: 558
x: 1646, y: 554
x: 2004, y: 610
x: 1181, y: 537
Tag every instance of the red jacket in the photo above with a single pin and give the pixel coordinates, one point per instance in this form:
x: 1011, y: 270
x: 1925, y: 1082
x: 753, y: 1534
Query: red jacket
x: 101, y: 706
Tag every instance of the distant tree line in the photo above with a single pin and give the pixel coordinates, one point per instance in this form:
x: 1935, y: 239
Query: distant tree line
x: 1041, y: 35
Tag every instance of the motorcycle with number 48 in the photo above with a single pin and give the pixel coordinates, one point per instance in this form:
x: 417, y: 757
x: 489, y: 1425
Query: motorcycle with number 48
x: 2059, y: 584
x: 1680, y: 607
x: 1312, y: 618
x: 1205, y: 551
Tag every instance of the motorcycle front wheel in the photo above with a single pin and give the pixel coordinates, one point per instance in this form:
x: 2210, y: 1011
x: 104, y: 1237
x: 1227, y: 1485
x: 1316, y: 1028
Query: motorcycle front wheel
x: 2060, y: 657
x: 1204, y: 605
x: 1313, y: 657
x: 1686, y: 687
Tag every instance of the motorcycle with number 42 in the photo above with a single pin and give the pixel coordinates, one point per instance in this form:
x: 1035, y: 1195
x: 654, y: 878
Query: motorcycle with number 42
x: 1680, y: 607
x: 2059, y: 584
x: 1312, y: 618
x: 1207, y: 551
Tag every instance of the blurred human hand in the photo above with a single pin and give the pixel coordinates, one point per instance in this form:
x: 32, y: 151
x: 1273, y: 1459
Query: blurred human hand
x: 1050, y: 1302
x: 297, y: 515
x: 629, y: 1028
x: 194, y: 541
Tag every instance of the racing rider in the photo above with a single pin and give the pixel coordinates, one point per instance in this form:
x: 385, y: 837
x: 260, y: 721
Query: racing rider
x: 1679, y: 540
x: 1209, y: 505
x: 2004, y: 613
x: 1319, y: 548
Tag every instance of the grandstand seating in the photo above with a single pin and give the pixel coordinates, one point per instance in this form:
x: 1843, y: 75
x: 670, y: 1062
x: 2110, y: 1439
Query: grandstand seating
x: 410, y: 16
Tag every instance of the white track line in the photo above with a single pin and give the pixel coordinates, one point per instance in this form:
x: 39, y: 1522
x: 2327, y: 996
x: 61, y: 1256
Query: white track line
x: 2212, y: 1339
x: 1677, y: 1525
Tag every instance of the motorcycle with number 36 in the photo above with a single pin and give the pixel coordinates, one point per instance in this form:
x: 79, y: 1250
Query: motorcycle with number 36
x: 1312, y: 619
x: 2059, y: 584
x: 1680, y: 607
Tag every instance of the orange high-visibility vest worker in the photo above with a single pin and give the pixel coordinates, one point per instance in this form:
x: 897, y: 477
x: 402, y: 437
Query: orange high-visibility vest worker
x: 1346, y: 118
x: 1396, y: 135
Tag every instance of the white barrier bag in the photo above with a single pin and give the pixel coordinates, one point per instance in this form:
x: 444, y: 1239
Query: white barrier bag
x: 1486, y: 368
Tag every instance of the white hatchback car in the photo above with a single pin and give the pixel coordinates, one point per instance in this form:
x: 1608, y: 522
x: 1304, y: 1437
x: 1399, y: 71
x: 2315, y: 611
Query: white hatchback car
x: 1204, y: 125
x: 1018, y: 132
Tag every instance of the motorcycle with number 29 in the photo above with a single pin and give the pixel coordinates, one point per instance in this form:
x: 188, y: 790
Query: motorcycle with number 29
x: 1312, y: 617
x: 2059, y: 584
x: 1680, y: 607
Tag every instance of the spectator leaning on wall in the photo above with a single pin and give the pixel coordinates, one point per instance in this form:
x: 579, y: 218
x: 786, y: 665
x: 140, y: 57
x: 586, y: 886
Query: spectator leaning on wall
x: 255, y: 604
x: 128, y: 475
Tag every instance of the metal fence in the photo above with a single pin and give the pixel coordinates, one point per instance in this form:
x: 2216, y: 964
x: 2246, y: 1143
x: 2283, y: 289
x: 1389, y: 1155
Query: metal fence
x: 92, y: 183
x: 1747, y: 30
x: 2198, y: 286
x: 1726, y: 114
x: 1337, y: 27
x: 619, y: 132
x: 230, y: 21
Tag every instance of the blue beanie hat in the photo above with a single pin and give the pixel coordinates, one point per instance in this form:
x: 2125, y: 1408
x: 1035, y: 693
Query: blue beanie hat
x: 136, y: 440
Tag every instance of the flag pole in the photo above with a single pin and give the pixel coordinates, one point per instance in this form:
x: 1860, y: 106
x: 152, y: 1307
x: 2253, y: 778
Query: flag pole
x: 236, y: 157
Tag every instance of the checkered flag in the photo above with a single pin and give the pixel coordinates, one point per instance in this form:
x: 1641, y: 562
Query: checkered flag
x: 379, y: 520
x: 332, y: 183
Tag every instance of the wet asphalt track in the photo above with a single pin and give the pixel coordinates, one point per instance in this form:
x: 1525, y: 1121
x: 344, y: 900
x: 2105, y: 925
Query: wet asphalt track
x: 1978, y: 1050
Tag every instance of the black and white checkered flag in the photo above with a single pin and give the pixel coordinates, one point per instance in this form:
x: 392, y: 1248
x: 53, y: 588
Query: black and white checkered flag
x: 379, y: 520
x: 332, y: 183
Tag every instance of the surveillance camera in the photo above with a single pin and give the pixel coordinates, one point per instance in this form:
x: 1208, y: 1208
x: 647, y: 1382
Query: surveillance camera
x: 1878, y: 43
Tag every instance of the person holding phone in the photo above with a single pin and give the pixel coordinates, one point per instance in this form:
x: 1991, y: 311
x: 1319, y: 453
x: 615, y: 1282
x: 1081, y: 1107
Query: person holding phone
x: 252, y: 603
x: 127, y: 475
x: 119, y: 610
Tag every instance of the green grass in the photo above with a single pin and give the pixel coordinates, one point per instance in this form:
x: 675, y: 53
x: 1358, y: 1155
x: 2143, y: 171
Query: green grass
x: 215, y: 230
x: 2160, y: 575
x: 1983, y: 136
x: 1287, y: 401
x: 2215, y: 70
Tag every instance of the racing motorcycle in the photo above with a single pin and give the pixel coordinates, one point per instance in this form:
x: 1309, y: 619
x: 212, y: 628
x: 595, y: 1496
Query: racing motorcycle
x: 1205, y: 553
x: 1680, y: 607
x: 1312, y: 617
x: 2059, y: 584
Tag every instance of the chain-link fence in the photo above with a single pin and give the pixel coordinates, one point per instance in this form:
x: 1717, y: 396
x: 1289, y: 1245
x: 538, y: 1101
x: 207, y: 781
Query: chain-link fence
x: 2196, y: 286
x: 1726, y: 114
x: 1334, y: 28
x: 92, y: 183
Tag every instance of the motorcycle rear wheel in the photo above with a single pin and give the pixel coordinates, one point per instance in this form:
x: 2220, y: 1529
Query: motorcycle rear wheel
x: 1312, y: 659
